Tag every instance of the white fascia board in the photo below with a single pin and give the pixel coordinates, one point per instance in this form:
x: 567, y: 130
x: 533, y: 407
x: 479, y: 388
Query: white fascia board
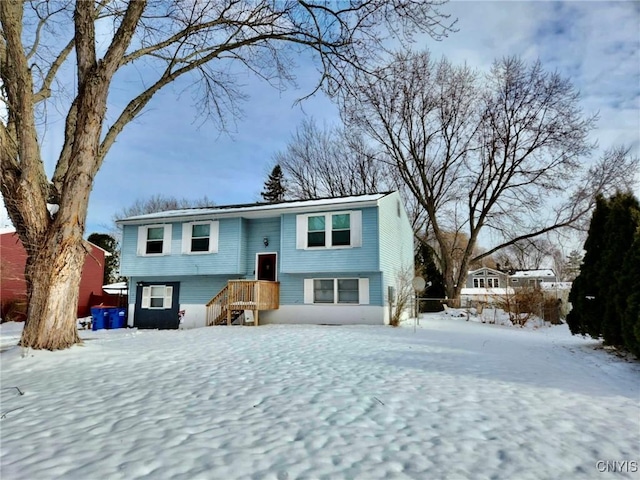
x: 261, y: 211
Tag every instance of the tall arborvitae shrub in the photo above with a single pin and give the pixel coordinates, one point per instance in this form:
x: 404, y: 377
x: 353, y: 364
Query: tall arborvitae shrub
x: 426, y: 267
x: 630, y: 275
x: 620, y: 229
x: 586, y: 292
x: 604, y: 294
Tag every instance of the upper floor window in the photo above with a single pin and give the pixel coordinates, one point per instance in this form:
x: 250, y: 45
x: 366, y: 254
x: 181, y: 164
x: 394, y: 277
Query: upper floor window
x: 154, y: 240
x: 329, y: 230
x: 316, y: 235
x: 200, y: 237
x: 340, y: 229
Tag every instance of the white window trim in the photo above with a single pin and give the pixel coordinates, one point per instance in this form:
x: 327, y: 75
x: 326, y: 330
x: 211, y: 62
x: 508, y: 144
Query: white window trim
x: 355, y: 227
x: 145, y: 302
x: 187, y: 230
x: 363, y: 292
x: 142, y: 240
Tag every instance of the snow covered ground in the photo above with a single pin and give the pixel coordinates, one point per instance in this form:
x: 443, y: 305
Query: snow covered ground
x: 451, y: 400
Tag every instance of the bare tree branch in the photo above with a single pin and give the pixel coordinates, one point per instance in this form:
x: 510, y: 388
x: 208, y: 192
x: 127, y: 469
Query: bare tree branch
x: 500, y: 152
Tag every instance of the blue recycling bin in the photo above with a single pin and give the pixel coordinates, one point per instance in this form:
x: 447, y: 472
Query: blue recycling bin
x: 117, y: 317
x: 99, y: 318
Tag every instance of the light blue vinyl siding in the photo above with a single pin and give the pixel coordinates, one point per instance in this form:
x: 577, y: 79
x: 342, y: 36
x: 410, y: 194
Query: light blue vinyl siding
x: 256, y: 231
x: 396, y: 241
x: 200, y: 289
x: 193, y: 289
x: 358, y: 259
x: 292, y: 285
x: 226, y: 261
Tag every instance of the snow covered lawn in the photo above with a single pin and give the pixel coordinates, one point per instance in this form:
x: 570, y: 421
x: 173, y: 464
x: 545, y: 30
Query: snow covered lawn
x: 452, y: 400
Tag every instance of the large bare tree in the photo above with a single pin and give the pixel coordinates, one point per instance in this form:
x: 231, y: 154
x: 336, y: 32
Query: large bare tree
x: 527, y: 254
x: 330, y: 162
x: 160, y: 41
x: 505, y: 153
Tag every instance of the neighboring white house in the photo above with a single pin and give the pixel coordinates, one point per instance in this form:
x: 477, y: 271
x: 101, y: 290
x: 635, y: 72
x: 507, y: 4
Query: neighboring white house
x: 531, y: 278
x: 488, y: 286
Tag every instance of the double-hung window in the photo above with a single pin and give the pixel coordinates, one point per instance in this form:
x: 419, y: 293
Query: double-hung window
x: 157, y: 297
x: 341, y: 229
x: 329, y: 230
x: 200, y: 237
x: 347, y: 290
x: 154, y: 240
x: 316, y: 234
x: 333, y: 291
x: 493, y: 282
x: 323, y: 291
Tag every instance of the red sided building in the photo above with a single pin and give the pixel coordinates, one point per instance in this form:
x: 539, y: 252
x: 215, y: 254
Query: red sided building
x: 13, y: 285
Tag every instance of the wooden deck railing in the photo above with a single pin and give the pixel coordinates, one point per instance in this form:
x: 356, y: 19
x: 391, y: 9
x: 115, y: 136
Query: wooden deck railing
x: 239, y: 295
x: 216, y: 307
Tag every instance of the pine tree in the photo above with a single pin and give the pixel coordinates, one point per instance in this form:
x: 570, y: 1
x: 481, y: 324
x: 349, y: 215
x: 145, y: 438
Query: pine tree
x: 111, y: 262
x: 572, y: 266
x: 426, y: 267
x: 274, y: 189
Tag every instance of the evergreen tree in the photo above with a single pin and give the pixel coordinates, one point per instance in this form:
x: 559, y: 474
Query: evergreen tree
x: 274, y: 189
x: 572, y: 266
x: 630, y: 276
x: 426, y: 267
x: 111, y: 262
x: 620, y: 228
x: 605, y: 295
x: 586, y: 293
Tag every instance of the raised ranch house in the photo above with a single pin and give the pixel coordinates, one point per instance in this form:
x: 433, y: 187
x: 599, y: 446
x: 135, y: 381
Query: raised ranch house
x: 325, y: 261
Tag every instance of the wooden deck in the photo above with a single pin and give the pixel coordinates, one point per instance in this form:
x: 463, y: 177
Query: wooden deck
x: 240, y: 295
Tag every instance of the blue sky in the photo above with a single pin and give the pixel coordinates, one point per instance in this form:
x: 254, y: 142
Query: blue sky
x: 169, y: 150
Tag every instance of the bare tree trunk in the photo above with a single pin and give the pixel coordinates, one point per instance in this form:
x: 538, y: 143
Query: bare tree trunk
x: 53, y: 277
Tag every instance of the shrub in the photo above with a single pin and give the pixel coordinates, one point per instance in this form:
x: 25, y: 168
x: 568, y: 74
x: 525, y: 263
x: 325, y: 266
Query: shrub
x: 404, y: 297
x: 14, y: 310
x: 527, y: 303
